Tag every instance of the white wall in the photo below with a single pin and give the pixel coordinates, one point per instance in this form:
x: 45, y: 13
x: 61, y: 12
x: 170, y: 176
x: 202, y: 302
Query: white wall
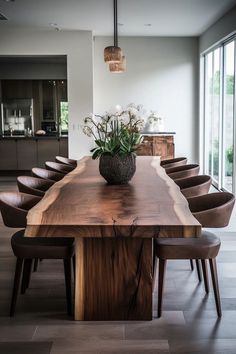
x: 162, y: 75
x: 225, y: 26
x: 78, y: 46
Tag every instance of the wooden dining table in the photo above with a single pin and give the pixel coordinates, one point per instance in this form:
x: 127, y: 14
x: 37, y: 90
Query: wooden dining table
x: 113, y: 227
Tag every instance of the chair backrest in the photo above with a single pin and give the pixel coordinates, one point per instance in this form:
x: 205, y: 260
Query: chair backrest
x: 183, y: 171
x: 47, y: 174
x: 178, y: 161
x: 33, y: 185
x: 194, y: 186
x: 14, y: 207
x: 66, y: 161
x: 58, y: 167
x: 212, y: 210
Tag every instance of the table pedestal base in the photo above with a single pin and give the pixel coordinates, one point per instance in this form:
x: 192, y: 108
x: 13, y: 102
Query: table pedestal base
x: 113, y: 279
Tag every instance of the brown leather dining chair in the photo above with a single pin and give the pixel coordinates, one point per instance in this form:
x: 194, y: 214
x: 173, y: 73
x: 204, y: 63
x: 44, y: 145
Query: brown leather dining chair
x: 211, y: 210
x: 66, y: 161
x: 178, y: 161
x: 183, y: 171
x: 194, y: 186
x: 14, y: 208
x: 58, y: 167
x: 33, y: 185
x: 46, y: 174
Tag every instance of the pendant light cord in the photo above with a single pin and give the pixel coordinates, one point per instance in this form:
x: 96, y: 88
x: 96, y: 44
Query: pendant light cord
x: 115, y: 25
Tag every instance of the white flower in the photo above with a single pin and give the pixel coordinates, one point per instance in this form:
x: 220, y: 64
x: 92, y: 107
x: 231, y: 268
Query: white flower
x: 87, y: 120
x: 87, y: 131
x: 124, y: 118
x: 131, y: 105
x: 140, y: 107
x: 118, y: 108
x: 133, y: 111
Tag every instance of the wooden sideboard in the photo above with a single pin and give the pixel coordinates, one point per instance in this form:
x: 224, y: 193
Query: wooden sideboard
x: 157, y: 145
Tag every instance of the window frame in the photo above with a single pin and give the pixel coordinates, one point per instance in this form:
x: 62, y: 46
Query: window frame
x: 203, y: 122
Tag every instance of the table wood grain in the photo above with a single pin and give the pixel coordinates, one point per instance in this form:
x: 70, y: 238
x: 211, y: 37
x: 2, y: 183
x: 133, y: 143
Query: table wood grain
x: 113, y: 227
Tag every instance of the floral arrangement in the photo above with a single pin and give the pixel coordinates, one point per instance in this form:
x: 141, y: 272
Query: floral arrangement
x: 116, y: 133
x: 154, y: 118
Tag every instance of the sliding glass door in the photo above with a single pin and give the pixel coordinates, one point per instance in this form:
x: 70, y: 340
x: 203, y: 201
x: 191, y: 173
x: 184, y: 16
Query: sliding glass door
x: 212, y: 114
x: 219, y: 115
x: 228, y: 116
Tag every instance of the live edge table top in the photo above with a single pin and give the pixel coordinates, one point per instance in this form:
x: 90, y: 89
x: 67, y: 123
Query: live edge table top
x: 82, y: 204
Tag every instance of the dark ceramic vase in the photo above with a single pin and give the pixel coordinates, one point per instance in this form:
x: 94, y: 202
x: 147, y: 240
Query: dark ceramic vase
x: 117, y: 169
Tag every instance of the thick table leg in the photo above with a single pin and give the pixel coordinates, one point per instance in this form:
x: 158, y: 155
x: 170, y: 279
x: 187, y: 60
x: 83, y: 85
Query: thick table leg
x: 113, y: 279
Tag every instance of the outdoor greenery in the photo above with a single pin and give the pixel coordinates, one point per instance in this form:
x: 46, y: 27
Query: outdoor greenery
x: 215, y: 84
x: 228, y: 160
x: 64, y: 115
x: 115, y: 133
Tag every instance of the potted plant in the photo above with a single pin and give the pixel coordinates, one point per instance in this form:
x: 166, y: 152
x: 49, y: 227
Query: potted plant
x: 117, y: 136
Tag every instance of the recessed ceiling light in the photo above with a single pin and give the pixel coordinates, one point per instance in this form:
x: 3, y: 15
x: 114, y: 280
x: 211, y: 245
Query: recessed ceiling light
x: 147, y: 24
x: 9, y: 0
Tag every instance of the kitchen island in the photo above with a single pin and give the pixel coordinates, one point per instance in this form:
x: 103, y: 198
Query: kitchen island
x: 22, y: 153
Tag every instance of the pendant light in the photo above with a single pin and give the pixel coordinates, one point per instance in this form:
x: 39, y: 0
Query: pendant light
x: 113, y: 54
x: 117, y: 68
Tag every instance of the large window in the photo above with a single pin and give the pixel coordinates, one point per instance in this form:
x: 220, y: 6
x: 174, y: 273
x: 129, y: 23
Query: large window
x: 228, y: 116
x: 219, y: 115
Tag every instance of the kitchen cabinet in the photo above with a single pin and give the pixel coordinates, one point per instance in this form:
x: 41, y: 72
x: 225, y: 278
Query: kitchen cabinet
x: 22, y: 154
x: 157, y: 145
x: 63, y: 147
x: 49, y: 99
x: 15, y: 89
x: 8, y: 155
x: 47, y: 150
x: 26, y: 154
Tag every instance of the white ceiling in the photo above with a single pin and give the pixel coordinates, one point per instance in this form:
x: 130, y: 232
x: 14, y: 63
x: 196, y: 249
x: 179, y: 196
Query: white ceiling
x: 167, y: 17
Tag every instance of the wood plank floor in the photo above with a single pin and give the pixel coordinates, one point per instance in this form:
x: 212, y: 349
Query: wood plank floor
x: 189, y: 324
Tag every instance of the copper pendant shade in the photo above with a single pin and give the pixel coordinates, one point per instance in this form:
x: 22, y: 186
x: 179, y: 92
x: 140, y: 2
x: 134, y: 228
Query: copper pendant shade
x: 113, y: 54
x: 117, y: 68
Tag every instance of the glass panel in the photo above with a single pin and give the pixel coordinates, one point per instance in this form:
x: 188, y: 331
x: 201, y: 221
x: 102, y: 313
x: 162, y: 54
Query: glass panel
x: 216, y: 114
x: 228, y: 127
x: 17, y: 117
x: 212, y: 113
x: 64, y: 117
x: 208, y: 113
x: 48, y: 100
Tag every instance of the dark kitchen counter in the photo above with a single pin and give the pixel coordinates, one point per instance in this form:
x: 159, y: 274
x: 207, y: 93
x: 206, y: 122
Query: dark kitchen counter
x: 39, y: 137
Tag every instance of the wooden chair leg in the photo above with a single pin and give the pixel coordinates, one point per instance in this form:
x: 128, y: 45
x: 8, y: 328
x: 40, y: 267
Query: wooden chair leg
x: 18, y: 270
x: 191, y: 264
x: 36, y: 262
x: 155, y: 265
x: 205, y: 275
x: 161, y: 278
x: 215, y: 284
x: 199, y: 274
x: 74, y: 266
x: 67, y: 270
x: 26, y: 275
